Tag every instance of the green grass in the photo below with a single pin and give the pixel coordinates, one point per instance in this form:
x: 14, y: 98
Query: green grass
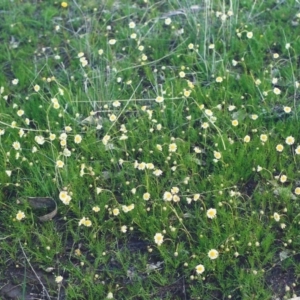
x: 205, y: 99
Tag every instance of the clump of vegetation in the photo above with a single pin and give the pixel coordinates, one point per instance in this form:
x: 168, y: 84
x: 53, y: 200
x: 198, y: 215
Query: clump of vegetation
x: 165, y: 133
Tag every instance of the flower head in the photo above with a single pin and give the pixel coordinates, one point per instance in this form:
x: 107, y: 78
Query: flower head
x: 65, y: 197
x: 276, y: 217
x: 77, y: 139
x: 167, y: 196
x: 158, y: 239
x: 116, y: 211
x: 168, y: 21
x: 85, y: 221
x: 297, y: 191
x: 200, y: 269
x: 213, y: 254
x: 172, y: 147
x: 112, y: 41
x: 131, y: 25
x: 263, y: 137
x: 217, y: 155
x: 159, y: 99
x: 276, y: 91
x: 60, y: 163
x: 36, y: 88
x: 59, y: 279
x: 279, y: 148
x: 211, y: 213
x: 96, y: 208
x: 247, y: 139
x: 40, y: 139
x: 290, y: 140
x: 20, y: 215
x: 249, y: 34
x: 146, y: 196
x: 17, y: 146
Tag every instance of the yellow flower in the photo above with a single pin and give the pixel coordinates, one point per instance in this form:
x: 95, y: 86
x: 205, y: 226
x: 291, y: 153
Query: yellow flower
x: 217, y: 155
x: 276, y: 217
x: 64, y: 4
x: 64, y: 197
x: 168, y: 21
x: 124, y: 228
x: 168, y: 196
x: 279, y: 148
x: 133, y: 35
x: 60, y: 164
x: 17, y: 146
x: 20, y: 112
x: 52, y: 137
x: 159, y: 147
x: 235, y: 123
x: 36, y: 88
x: 172, y: 147
x: 85, y: 221
x: 196, y: 197
x: 39, y: 139
x: 283, y: 178
x: 211, y: 213
x: 181, y: 74
x: 247, y: 139
x: 116, y: 211
x: 157, y: 172
x: 213, y: 254
x: 159, y: 99
x: 96, y: 208
x: 68, y: 129
x: 191, y: 46
x: 263, y: 137
x: 146, y: 196
x: 176, y: 198
x: 59, y: 279
x: 105, y: 139
x: 77, y: 252
x: 158, y: 239
x: 186, y: 93
x: 112, y: 41
x: 249, y: 35
x: 205, y: 125
x: 276, y: 91
x: 208, y: 112
x: 174, y: 190
x: 290, y: 140
x: 200, y: 269
x: 297, y: 191
x: 141, y: 166
x: 150, y: 166
x: 131, y: 25
x: 20, y: 215
x: 77, y: 139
